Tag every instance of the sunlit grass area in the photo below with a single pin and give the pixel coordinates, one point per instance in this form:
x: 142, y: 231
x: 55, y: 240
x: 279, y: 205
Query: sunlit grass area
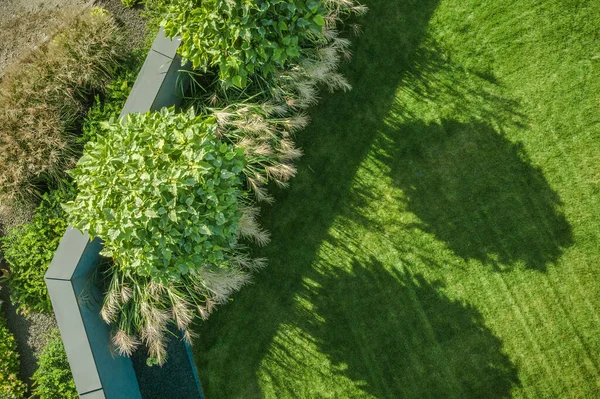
x: 441, y: 238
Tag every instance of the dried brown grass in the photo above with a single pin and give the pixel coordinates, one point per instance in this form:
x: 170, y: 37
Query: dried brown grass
x: 42, y: 98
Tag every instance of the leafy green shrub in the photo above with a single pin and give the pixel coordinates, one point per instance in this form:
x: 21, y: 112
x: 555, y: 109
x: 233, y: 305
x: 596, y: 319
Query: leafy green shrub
x: 163, y: 192
x: 53, y: 378
x: 11, y: 387
x: 263, y: 116
x: 28, y: 250
x: 243, y: 37
x: 42, y: 99
x: 154, y: 184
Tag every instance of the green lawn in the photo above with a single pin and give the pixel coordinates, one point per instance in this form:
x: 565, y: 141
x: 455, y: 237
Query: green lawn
x: 441, y: 238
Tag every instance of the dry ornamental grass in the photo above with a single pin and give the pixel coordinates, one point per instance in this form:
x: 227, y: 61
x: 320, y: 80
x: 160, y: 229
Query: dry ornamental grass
x: 41, y: 100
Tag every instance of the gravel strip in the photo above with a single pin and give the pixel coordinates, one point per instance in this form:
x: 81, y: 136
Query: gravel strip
x: 30, y: 333
x: 26, y: 23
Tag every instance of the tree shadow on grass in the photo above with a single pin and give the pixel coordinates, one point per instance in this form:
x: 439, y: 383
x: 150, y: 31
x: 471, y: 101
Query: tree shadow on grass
x: 412, y: 339
x: 401, y: 337
x: 478, y: 192
x: 445, y: 144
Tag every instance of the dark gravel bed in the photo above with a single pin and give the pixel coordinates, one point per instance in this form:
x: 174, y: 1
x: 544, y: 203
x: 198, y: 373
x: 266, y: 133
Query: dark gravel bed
x: 176, y: 379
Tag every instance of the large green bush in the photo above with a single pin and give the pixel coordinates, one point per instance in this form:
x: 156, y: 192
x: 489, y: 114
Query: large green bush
x: 53, y: 378
x: 243, y: 37
x: 164, y: 193
x: 28, y: 250
x: 11, y: 387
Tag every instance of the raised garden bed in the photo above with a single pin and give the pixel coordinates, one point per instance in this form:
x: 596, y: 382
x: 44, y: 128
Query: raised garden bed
x: 76, y: 298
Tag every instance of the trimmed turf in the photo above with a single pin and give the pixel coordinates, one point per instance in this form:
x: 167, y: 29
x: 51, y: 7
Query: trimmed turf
x: 441, y: 238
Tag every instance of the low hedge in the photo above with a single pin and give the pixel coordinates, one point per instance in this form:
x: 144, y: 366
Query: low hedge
x: 53, y: 378
x: 11, y: 387
x: 29, y: 249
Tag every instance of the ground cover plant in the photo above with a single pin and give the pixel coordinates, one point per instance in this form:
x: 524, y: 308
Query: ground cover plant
x: 53, y: 379
x: 111, y: 102
x: 41, y: 102
x: 11, y: 387
x: 28, y: 250
x: 440, y: 237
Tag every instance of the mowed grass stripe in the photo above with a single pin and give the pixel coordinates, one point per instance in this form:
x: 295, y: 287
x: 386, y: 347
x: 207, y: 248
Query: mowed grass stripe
x: 583, y: 319
x: 505, y: 319
x: 555, y: 306
x: 529, y: 308
x: 577, y: 301
x: 553, y: 376
x: 556, y: 337
x: 549, y: 337
x: 448, y: 377
x: 590, y: 362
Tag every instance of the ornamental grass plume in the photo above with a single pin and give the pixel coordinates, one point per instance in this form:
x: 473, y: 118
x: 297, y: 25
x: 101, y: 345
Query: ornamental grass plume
x: 125, y: 343
x: 144, y: 318
x: 263, y: 131
x: 250, y: 228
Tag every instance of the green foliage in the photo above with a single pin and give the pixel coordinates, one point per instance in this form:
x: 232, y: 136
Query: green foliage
x: 11, y: 387
x: 162, y: 192
x: 28, y: 250
x: 53, y: 378
x: 243, y: 37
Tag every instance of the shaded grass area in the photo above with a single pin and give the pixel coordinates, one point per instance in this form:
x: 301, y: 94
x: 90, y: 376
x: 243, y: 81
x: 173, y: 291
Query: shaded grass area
x: 441, y: 237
